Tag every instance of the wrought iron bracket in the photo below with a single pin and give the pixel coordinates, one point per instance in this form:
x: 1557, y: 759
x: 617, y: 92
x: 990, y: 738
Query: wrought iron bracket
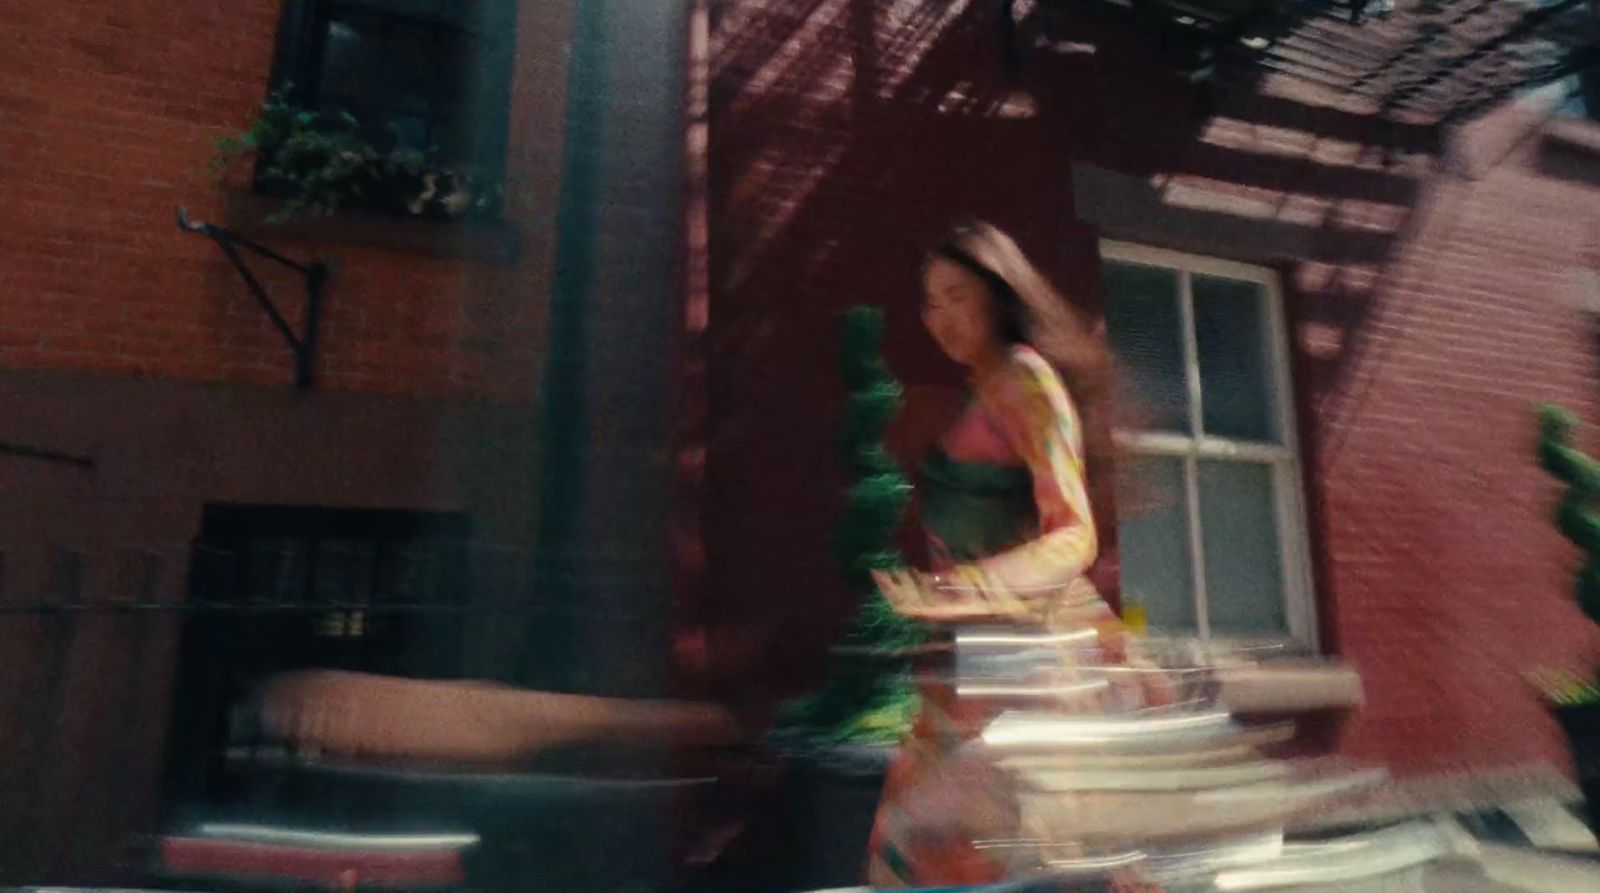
x: 302, y: 344
x: 39, y: 454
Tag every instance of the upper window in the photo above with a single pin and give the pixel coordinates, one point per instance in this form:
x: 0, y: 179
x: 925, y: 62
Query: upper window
x: 1212, y: 528
x: 430, y: 75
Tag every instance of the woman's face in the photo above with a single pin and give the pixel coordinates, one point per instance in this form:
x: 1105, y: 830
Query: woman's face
x: 959, y: 312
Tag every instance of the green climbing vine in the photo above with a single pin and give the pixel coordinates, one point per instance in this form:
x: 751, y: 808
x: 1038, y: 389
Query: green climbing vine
x: 867, y: 697
x: 1577, y: 516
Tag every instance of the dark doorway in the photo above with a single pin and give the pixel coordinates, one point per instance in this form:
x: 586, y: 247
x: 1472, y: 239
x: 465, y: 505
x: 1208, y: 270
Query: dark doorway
x: 279, y: 588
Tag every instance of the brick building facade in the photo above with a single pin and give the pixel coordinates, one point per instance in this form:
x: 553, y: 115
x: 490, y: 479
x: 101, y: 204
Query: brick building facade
x: 518, y: 372
x: 111, y: 122
x: 149, y: 405
x: 1426, y: 274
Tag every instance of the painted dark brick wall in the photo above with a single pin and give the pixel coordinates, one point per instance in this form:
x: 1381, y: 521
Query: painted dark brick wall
x: 845, y: 137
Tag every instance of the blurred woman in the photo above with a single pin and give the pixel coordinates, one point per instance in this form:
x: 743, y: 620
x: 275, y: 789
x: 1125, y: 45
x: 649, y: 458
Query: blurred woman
x: 1005, y: 505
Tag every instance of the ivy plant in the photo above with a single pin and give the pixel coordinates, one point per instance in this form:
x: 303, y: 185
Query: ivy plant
x: 320, y: 162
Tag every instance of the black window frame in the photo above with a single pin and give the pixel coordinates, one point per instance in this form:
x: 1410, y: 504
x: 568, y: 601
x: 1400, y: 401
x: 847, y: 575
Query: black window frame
x: 486, y: 27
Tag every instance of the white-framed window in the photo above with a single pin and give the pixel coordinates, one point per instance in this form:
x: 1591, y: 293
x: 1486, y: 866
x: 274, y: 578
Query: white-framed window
x: 1211, y: 525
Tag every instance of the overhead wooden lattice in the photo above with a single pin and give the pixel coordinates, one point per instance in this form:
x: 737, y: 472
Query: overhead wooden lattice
x: 1423, y: 60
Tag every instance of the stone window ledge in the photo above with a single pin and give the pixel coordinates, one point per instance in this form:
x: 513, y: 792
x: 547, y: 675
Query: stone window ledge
x: 1289, y: 686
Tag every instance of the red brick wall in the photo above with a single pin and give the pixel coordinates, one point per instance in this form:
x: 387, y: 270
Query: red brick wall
x: 108, y: 114
x: 845, y: 138
x: 1425, y: 317
x: 107, y: 120
x: 1445, y: 578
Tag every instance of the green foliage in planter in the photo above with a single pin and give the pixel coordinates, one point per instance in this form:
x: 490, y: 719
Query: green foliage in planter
x: 322, y: 162
x: 866, y: 697
x: 1578, y: 517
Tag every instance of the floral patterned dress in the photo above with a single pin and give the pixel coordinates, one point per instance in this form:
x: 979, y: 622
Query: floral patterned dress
x: 1006, y: 511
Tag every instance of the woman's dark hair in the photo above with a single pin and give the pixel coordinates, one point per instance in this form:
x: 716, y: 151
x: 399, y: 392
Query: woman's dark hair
x: 1032, y: 312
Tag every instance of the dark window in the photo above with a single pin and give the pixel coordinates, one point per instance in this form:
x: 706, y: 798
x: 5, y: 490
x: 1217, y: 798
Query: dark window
x: 273, y: 589
x: 432, y: 75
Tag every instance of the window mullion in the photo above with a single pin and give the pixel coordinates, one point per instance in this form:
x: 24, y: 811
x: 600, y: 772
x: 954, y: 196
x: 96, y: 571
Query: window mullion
x: 1197, y: 556
x: 1240, y: 450
x: 1191, y: 354
x: 1191, y: 470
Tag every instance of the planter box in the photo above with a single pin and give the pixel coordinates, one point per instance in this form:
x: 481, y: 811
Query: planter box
x: 810, y: 833
x: 471, y: 238
x: 834, y: 799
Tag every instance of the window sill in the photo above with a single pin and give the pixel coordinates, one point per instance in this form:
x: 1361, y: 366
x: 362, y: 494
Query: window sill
x: 481, y: 239
x: 1264, y: 677
x: 1289, y: 686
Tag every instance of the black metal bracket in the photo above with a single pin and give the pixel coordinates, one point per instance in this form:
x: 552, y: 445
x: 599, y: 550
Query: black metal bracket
x: 23, y: 451
x: 304, y: 344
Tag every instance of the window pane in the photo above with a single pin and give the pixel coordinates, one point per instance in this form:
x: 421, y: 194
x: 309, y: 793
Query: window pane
x: 1239, y: 524
x: 1154, y: 541
x: 276, y: 569
x: 344, y: 570
x: 1237, y: 390
x: 401, y: 82
x: 1146, y: 331
x: 412, y: 575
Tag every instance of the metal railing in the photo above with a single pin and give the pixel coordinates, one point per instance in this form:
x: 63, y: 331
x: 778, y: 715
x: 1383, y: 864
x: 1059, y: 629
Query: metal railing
x: 119, y: 668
